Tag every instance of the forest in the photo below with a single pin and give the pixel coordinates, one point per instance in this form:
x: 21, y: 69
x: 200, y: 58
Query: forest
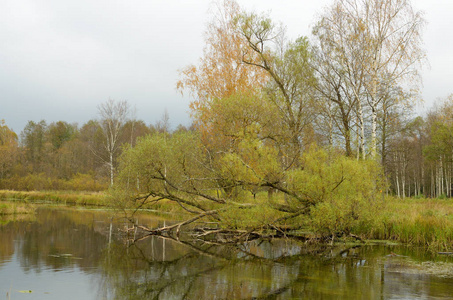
x: 318, y: 130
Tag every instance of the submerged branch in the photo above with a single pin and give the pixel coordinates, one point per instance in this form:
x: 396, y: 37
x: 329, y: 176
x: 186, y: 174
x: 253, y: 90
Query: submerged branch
x: 161, y: 230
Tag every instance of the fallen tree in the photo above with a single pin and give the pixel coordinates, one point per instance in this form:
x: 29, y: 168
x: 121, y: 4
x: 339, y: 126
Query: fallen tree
x: 328, y: 193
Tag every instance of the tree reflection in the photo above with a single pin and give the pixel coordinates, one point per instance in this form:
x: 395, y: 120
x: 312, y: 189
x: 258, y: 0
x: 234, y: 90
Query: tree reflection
x: 261, y: 269
x: 159, y: 267
x: 195, y: 270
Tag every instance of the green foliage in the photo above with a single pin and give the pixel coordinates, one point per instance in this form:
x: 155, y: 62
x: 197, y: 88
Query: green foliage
x: 327, y: 174
x: 257, y: 216
x: 252, y: 162
x: 441, y: 141
x: 33, y: 139
x: 59, y: 133
x: 164, y: 165
x: 344, y: 192
x: 341, y: 193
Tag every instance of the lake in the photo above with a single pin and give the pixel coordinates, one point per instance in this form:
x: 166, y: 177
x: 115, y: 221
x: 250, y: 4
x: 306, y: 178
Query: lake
x: 68, y: 253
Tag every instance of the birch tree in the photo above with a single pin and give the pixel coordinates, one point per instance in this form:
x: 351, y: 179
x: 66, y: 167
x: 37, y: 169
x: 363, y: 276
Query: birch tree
x: 379, y: 44
x: 394, y: 49
x: 113, y: 115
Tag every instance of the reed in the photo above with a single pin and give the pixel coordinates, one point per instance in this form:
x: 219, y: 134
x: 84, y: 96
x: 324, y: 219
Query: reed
x: 65, y: 197
x: 420, y: 222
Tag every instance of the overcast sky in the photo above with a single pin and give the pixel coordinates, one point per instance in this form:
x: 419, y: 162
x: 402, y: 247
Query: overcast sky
x: 59, y: 59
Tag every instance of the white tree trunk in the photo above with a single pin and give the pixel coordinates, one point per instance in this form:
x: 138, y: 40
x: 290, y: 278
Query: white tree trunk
x: 373, y: 132
x: 362, y: 130
x: 397, y: 184
x: 111, y: 168
x: 373, y: 105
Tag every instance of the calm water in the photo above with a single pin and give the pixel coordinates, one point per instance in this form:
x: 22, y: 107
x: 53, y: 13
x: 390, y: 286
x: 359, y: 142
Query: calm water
x: 76, y: 254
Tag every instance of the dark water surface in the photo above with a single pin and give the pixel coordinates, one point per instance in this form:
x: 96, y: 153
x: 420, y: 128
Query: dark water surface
x: 75, y: 254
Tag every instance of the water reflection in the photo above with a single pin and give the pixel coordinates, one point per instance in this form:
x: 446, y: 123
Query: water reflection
x: 72, y: 248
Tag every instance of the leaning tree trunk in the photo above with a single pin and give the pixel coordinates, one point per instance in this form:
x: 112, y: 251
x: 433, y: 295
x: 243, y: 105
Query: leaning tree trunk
x: 111, y: 169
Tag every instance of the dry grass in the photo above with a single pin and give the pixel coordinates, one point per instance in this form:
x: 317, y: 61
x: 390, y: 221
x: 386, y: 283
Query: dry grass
x: 65, y: 197
x: 421, y: 222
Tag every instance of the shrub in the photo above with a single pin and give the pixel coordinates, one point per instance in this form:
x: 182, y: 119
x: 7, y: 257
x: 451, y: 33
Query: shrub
x: 345, y: 193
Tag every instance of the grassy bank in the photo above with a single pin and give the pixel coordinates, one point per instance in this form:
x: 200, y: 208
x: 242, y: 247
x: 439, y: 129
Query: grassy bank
x: 63, y: 197
x: 418, y: 222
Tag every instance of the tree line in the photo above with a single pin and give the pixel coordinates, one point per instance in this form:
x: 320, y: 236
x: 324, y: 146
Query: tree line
x: 64, y: 156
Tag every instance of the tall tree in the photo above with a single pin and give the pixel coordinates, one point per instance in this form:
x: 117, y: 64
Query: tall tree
x: 163, y: 125
x: 439, y: 149
x: 87, y: 150
x: 381, y: 45
x: 8, y: 149
x: 113, y: 116
x: 290, y: 88
x: 59, y: 133
x: 221, y: 71
x: 33, y: 139
x: 339, y: 65
x: 394, y: 49
x: 394, y: 111
x: 336, y: 100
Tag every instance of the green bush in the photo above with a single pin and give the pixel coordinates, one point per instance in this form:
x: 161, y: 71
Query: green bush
x: 345, y: 193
